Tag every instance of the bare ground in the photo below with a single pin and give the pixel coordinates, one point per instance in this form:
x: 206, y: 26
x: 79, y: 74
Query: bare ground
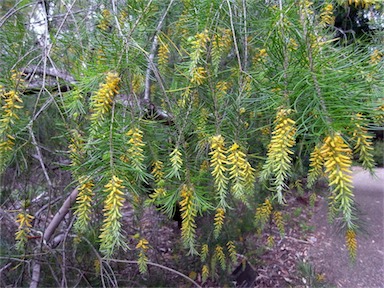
x: 329, y: 254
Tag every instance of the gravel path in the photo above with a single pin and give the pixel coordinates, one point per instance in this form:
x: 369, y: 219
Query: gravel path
x: 329, y: 254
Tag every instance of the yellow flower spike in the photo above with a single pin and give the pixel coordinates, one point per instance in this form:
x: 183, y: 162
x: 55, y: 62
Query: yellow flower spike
x: 363, y: 146
x: 337, y: 160
x: 134, y: 155
x: 176, y: 163
x: 143, y: 244
x: 25, y: 222
x: 198, y: 75
x: 263, y: 214
x: 84, y: 210
x: 188, y: 209
x: 101, y: 101
x: 199, y: 46
x: 163, y: 54
x: 278, y: 162
x: 350, y: 239
x: 204, y: 252
x: 316, y: 165
x: 241, y: 172
x: 279, y: 221
x: 218, y: 164
x: 218, y: 221
x: 157, y: 170
x: 232, y: 251
x: 111, y: 232
x: 9, y: 114
x: 219, y: 255
x: 326, y: 16
x: 204, y: 273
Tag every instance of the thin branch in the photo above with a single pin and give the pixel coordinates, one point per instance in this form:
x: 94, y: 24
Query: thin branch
x: 160, y: 266
x: 234, y: 36
x: 60, y: 215
x: 36, y: 266
x: 52, y: 71
x: 40, y: 156
x: 245, y: 35
x: 151, y: 65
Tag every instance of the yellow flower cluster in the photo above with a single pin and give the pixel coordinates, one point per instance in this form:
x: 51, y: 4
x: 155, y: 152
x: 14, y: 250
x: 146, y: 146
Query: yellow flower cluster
x: 326, y: 16
x: 350, y: 239
x: 379, y: 118
x: 111, y: 230
x: 76, y: 148
x: 199, y: 46
x: 83, y: 210
x: 260, y: 56
x: 204, y: 273
x: 363, y: 3
x: 137, y: 83
x: 198, y: 75
x: 157, y: 170
x: 232, y: 251
x: 316, y: 166
x: 25, y: 222
x: 270, y: 241
x: 337, y: 163
x: 219, y: 255
x: 279, y: 150
x: 241, y: 172
x: 221, y: 43
x: 176, y: 163
x: 101, y: 101
x: 105, y: 22
x: 204, y: 252
x: 218, y: 164
x: 142, y: 246
x: 134, y: 154
x: 376, y: 56
x: 263, y: 214
x: 12, y: 103
x: 218, y: 221
x: 188, y: 209
x: 279, y: 221
x: 363, y: 146
x: 222, y: 88
x: 163, y: 54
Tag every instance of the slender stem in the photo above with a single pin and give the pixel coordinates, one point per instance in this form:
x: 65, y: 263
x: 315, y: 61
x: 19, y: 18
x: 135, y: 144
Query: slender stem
x: 234, y: 36
x: 160, y: 266
x: 151, y: 65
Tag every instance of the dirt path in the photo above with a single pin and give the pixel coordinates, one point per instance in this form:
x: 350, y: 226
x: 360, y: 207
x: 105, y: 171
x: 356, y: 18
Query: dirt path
x: 329, y: 254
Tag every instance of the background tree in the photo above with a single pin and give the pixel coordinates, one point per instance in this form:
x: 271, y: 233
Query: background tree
x: 197, y: 107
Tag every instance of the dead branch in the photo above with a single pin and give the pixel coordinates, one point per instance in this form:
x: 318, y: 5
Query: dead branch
x: 52, y: 226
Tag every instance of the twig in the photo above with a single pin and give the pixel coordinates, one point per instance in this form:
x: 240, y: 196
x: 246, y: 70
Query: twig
x: 40, y: 156
x: 151, y: 65
x: 160, y: 266
x: 234, y: 36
